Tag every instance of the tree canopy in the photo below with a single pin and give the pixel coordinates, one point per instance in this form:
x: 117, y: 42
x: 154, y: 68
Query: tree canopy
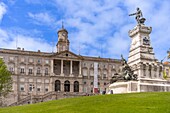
x: 5, y: 79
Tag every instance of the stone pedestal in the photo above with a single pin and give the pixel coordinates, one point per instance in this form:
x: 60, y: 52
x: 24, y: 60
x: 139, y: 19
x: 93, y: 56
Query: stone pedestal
x: 150, y: 85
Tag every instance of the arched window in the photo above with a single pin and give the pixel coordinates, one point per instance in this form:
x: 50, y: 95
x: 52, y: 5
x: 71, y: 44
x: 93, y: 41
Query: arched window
x: 46, y: 71
x: 67, y: 86
x: 76, y: 86
x: 57, y: 85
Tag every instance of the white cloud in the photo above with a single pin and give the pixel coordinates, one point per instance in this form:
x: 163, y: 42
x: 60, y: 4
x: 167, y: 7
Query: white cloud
x: 95, y: 22
x: 102, y: 25
x: 42, y: 18
x: 3, y: 10
x: 9, y: 39
x: 108, y: 21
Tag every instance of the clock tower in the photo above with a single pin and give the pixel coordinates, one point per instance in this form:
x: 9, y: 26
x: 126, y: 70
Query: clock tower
x: 63, y: 42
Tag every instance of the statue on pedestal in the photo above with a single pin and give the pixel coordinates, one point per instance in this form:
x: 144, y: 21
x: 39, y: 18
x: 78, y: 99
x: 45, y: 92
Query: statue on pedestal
x: 126, y: 73
x: 139, y: 16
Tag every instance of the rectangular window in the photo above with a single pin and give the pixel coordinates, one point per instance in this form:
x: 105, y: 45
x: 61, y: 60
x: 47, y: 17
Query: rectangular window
x: 46, y: 89
x: 39, y: 61
x: 46, y: 71
x: 22, y: 70
x: 38, y: 89
x: 11, y: 69
x: 11, y: 58
x: 30, y: 71
x: 31, y: 87
x: 21, y: 87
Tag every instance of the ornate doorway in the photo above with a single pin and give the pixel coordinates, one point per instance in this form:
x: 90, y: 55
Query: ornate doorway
x: 57, y: 85
x: 76, y: 86
x: 67, y: 86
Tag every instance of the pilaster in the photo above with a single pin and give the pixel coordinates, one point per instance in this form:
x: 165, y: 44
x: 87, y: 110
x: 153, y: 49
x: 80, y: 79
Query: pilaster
x: 80, y: 69
x: 52, y: 67
x: 62, y: 74
x: 71, y: 67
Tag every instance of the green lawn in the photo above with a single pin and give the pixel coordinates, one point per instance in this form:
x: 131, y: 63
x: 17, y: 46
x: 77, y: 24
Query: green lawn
x: 121, y: 103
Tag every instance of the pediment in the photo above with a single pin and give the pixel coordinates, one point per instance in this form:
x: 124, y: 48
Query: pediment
x: 67, y: 54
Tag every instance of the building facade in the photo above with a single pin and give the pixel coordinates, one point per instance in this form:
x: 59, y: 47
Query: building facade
x: 39, y: 74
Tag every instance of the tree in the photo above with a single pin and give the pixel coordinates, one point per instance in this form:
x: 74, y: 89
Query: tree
x: 5, y: 80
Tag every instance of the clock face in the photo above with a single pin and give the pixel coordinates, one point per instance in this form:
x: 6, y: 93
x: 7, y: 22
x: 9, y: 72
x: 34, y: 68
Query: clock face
x: 146, y: 41
x: 63, y: 34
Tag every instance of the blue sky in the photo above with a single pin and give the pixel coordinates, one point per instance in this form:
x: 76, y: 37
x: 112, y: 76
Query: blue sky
x: 96, y: 27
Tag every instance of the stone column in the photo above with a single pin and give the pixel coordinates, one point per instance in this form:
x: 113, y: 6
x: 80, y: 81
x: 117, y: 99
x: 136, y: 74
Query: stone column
x: 153, y: 71
x: 16, y: 66
x: 71, y: 69
x: 147, y: 71
x: 51, y: 86
x: 62, y: 87
x: 138, y: 85
x: 62, y: 67
x: 129, y: 87
x: 81, y: 88
x: 42, y: 69
x: 71, y: 87
x: 26, y: 69
x: 52, y: 68
x: 80, y: 68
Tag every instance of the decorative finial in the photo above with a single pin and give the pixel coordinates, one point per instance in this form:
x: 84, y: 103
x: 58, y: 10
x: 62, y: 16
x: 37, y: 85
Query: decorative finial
x: 139, y: 16
x: 62, y: 25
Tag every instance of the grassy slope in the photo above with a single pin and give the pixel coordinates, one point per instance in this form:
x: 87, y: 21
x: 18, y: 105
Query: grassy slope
x: 122, y: 103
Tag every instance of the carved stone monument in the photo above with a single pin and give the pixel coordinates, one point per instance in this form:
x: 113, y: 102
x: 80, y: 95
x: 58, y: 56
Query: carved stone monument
x: 126, y: 73
x: 142, y: 62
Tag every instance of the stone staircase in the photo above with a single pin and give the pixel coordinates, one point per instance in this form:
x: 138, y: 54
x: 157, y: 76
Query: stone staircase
x: 36, y: 98
x: 46, y: 97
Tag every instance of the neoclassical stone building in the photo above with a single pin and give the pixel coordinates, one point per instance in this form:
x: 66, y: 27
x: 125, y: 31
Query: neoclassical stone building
x: 39, y: 75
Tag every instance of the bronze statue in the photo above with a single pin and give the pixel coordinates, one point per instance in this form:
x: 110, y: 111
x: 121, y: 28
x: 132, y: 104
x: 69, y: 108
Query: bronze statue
x: 139, y: 16
x: 126, y: 73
